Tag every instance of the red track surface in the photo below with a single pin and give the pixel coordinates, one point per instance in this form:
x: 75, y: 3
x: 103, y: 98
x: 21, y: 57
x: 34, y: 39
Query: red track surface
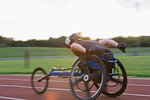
x: 17, y: 87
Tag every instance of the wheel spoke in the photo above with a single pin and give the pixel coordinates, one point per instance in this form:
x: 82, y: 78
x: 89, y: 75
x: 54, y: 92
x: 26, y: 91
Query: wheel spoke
x: 87, y: 89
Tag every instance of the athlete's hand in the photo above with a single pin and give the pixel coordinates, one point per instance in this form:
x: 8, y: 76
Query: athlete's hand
x: 122, y: 47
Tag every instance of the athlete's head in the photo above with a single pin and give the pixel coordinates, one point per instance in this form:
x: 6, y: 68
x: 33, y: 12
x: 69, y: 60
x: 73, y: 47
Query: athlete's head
x: 72, y: 38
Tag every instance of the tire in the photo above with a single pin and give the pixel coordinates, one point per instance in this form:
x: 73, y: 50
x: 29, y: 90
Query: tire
x: 83, y: 85
x: 39, y: 86
x: 117, y: 83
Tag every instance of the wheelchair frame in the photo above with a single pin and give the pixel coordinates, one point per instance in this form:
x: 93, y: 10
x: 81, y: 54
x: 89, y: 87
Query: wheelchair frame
x: 63, y: 72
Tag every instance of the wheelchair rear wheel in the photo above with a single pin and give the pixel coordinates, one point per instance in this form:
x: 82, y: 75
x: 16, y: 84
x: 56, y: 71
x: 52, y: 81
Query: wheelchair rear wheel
x: 83, y: 85
x: 117, y: 81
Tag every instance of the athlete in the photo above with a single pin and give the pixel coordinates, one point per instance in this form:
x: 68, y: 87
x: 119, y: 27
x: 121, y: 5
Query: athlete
x: 79, y: 46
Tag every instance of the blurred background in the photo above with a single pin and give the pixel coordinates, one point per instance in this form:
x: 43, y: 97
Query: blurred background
x: 32, y: 32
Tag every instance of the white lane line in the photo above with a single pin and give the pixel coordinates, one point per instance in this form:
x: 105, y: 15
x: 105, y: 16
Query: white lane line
x: 61, y: 89
x: 141, y: 95
x: 15, y: 74
x: 142, y: 85
x: 14, y: 79
x: 29, y: 80
x: 139, y: 78
x: 57, y: 76
x: 19, y: 86
x: 10, y: 98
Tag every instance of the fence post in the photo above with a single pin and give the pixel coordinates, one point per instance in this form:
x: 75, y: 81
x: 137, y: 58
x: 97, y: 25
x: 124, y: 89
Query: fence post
x: 26, y: 59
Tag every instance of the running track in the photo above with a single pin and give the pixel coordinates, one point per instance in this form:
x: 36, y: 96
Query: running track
x: 17, y: 87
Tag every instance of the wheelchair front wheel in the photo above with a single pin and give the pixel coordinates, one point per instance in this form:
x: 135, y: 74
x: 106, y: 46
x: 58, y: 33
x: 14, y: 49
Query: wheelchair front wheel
x: 39, y: 86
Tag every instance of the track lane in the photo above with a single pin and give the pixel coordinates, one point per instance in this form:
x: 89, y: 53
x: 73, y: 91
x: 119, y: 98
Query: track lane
x: 18, y: 86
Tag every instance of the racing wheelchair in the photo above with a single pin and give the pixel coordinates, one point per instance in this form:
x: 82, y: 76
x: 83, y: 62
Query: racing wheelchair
x: 90, y: 76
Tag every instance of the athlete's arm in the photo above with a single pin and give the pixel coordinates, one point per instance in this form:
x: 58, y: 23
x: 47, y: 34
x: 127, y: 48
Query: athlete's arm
x: 78, y: 48
x: 112, y: 43
x: 108, y: 42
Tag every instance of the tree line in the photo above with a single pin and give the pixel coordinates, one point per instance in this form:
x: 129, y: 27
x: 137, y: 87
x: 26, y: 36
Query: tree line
x: 143, y: 41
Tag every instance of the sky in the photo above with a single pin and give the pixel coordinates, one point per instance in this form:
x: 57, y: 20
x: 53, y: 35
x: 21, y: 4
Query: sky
x: 42, y: 19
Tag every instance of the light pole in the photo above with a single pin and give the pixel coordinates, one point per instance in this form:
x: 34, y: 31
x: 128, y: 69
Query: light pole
x: 137, y: 39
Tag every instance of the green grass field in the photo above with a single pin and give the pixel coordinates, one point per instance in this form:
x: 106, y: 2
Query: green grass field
x: 11, y: 52
x: 12, y: 60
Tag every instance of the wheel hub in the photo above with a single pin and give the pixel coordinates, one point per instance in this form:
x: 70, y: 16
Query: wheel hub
x: 86, y: 78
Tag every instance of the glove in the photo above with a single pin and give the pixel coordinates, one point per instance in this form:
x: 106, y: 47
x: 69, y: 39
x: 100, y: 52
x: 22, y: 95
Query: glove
x: 122, y: 47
